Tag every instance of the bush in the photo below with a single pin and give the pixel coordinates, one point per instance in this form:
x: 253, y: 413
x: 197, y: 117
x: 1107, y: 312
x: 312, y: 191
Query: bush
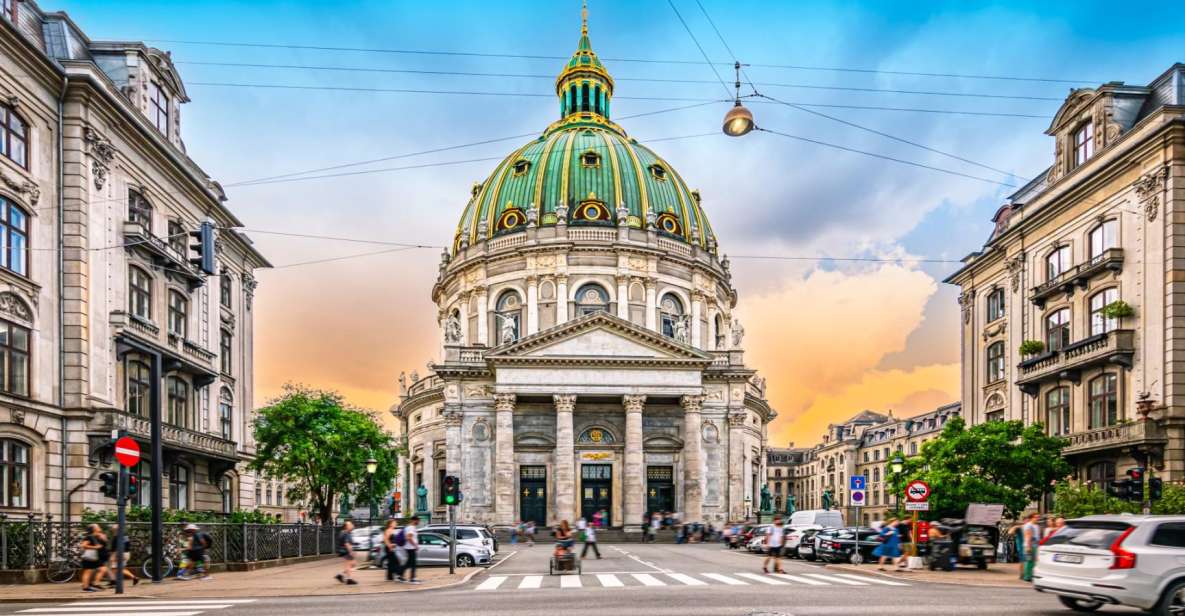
x: 1073, y: 501
x: 136, y: 513
x: 1118, y: 309
x: 1032, y: 347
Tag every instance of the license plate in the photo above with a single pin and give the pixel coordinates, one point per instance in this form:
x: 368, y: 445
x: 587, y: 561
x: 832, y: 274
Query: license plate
x: 1072, y: 559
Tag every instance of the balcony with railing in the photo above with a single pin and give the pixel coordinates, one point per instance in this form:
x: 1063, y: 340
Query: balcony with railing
x: 172, y: 437
x: 163, y: 254
x: 1128, y: 434
x: 472, y: 355
x: 1110, y: 260
x: 135, y: 333
x: 1114, y: 347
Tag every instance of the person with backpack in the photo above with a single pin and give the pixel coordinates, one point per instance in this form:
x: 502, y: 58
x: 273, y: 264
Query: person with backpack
x: 390, y: 549
x: 195, y: 553
x: 408, y: 541
x: 345, y: 549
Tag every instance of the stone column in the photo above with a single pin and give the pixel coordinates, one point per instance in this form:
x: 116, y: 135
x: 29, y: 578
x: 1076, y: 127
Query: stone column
x: 736, y: 465
x: 452, y: 445
x: 565, y: 458
x: 504, y: 458
x: 712, y: 333
x: 466, y: 335
x: 693, y: 488
x: 697, y: 309
x: 623, y: 300
x: 561, y: 299
x: 532, y: 304
x: 634, y: 487
x: 483, y: 319
x: 651, y: 304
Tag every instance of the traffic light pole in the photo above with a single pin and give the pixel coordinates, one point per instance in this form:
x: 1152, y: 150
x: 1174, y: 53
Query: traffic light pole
x: 452, y: 539
x: 120, y: 536
x: 154, y: 488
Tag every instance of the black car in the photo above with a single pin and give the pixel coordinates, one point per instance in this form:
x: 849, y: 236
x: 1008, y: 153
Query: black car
x: 836, y: 545
x: 806, y: 545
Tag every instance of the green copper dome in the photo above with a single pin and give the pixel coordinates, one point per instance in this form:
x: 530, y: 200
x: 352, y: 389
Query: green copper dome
x: 584, y: 170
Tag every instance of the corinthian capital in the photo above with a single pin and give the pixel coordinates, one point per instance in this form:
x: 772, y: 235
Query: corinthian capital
x: 564, y: 403
x: 691, y: 404
x: 504, y: 402
x: 634, y: 403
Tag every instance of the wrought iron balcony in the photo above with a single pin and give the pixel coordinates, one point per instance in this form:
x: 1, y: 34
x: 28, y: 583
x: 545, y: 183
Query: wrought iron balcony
x: 1114, y: 347
x: 1063, y: 283
x: 135, y: 234
x: 1110, y: 260
x: 172, y: 437
x: 1132, y: 434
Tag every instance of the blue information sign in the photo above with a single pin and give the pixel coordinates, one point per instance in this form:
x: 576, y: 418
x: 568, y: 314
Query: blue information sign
x: 857, y: 482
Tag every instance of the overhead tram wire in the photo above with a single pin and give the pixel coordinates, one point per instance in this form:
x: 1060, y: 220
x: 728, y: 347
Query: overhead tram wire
x: 707, y: 60
x: 429, y: 52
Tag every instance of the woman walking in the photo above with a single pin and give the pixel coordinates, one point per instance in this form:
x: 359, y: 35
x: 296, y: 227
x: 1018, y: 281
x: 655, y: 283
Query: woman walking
x: 120, y: 552
x: 890, y: 547
x: 94, y: 557
x: 390, y: 548
x: 345, y: 549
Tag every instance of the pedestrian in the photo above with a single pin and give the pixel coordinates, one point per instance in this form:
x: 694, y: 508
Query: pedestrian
x: 530, y: 532
x: 195, y: 553
x: 411, y: 544
x: 590, y: 540
x: 117, y: 553
x: 345, y: 550
x: 514, y: 530
x: 890, y: 547
x: 1030, y: 536
x: 774, y: 540
x: 389, y: 549
x: 599, y: 518
x: 655, y: 524
x: 905, y: 538
x: 1055, y: 525
x: 94, y: 552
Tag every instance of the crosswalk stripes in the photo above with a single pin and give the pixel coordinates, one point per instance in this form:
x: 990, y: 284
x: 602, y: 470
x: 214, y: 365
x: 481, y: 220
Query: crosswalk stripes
x: 138, y: 607
x: 670, y: 578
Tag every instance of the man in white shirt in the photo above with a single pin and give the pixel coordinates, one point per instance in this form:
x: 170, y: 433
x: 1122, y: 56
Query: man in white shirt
x: 774, y: 540
x: 590, y: 540
x: 411, y: 543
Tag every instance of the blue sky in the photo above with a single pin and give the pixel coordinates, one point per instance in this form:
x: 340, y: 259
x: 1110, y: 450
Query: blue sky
x: 764, y: 194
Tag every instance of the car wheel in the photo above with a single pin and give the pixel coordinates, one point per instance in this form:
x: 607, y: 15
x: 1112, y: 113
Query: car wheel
x: 1172, y: 602
x: 464, y: 560
x: 1081, y: 605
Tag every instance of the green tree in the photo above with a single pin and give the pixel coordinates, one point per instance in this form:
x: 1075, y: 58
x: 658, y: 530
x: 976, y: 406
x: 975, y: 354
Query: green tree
x: 1076, y: 500
x: 994, y: 462
x: 312, y: 440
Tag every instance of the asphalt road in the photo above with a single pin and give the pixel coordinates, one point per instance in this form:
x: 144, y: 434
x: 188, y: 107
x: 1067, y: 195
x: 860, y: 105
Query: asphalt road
x: 655, y: 580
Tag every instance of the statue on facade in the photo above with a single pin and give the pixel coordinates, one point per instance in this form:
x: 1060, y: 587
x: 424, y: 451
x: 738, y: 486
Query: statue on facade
x: 766, y: 500
x: 738, y: 333
x: 507, y: 329
x: 452, y: 330
x: 827, y: 499
x: 415, y: 377
x: 403, y: 383
x: 791, y: 505
x: 680, y: 329
x: 421, y: 498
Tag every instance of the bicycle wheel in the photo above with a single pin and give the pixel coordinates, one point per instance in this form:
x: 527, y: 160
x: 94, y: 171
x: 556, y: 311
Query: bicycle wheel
x: 166, y: 567
x: 60, y: 571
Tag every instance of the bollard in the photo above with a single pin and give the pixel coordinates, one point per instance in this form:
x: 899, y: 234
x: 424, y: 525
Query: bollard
x: 300, y: 540
x: 3, y: 541
x: 32, y: 554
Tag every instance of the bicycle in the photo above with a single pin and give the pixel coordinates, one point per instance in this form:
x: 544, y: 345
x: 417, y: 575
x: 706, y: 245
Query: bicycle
x: 166, y: 567
x: 63, y: 567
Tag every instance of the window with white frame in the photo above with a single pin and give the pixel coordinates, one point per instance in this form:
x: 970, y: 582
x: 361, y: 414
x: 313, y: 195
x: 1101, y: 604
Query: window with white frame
x: 179, y: 487
x: 14, y: 474
x: 1057, y: 263
x: 158, y: 107
x: 995, y: 304
x: 139, y: 293
x: 1100, y: 323
x: 178, y: 314
x: 1083, y: 143
x: 995, y: 362
x: 1103, y: 238
x: 1057, y: 410
x: 1057, y: 330
x: 14, y: 238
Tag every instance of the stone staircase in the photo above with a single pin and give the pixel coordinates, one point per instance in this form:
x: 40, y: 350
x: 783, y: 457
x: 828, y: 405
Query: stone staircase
x: 605, y: 535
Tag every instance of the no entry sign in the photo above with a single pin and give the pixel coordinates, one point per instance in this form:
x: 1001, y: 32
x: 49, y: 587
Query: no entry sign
x: 127, y: 451
x: 917, y: 491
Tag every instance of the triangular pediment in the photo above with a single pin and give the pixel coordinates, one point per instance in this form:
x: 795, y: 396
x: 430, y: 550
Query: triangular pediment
x: 599, y: 336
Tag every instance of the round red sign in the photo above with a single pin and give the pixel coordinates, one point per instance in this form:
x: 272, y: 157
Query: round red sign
x: 917, y: 491
x: 127, y: 451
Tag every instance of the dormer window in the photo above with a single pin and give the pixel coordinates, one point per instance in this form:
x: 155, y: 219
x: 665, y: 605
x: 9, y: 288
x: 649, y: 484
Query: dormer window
x: 158, y: 107
x: 658, y: 172
x: 590, y: 159
x: 521, y: 167
x: 1083, y: 143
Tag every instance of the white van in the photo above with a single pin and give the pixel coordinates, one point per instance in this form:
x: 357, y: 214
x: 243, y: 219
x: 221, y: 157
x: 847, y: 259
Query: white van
x: 818, y: 518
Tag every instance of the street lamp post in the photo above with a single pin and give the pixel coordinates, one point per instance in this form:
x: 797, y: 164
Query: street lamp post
x: 897, y: 465
x: 372, y: 465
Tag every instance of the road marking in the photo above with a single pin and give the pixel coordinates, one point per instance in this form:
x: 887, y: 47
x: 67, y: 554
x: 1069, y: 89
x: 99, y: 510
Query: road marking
x: 764, y: 579
x: 799, y: 579
x: 492, y: 583
x: 835, y: 578
x: 531, y: 581
x: 686, y: 579
x: 143, y: 602
x: 874, y: 580
x: 725, y: 579
x: 108, y: 610
x: 648, y: 580
x: 609, y: 580
x: 570, y: 581
x: 95, y: 612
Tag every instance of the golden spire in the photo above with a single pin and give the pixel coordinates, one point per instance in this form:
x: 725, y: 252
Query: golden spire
x: 584, y: 17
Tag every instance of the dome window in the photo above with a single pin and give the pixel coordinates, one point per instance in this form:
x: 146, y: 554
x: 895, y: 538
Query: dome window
x: 521, y: 167
x: 592, y: 210
x: 669, y: 223
x: 511, y: 218
x: 590, y: 159
x: 658, y: 171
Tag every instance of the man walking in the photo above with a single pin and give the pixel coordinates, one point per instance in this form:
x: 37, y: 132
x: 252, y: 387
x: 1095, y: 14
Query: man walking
x: 411, y: 543
x: 590, y: 540
x: 1030, y: 536
x: 774, y: 540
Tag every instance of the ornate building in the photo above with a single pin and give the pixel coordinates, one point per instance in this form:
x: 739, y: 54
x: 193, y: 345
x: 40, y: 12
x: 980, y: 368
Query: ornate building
x: 1070, y: 310
x: 590, y: 359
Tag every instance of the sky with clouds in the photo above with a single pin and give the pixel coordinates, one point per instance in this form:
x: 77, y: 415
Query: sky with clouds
x: 832, y: 338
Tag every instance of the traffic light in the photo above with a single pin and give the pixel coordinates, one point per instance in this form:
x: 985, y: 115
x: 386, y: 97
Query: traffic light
x: 1154, y: 488
x: 1120, y: 489
x: 1137, y: 484
x: 452, y: 490
x: 203, y: 249
x: 110, y: 484
x: 133, y: 487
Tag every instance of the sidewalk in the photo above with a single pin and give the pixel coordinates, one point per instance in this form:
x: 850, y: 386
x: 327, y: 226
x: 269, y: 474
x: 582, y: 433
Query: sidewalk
x: 996, y: 575
x: 312, y: 578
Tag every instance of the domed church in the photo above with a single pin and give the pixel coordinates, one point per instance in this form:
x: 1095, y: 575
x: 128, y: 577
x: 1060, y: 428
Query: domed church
x: 590, y: 360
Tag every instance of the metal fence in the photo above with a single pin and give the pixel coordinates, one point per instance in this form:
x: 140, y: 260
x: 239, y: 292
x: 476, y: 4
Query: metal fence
x: 30, y: 543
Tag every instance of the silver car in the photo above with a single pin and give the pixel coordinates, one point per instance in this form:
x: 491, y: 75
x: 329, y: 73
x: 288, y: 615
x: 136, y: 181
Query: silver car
x: 1132, y: 560
x: 434, y: 550
x: 468, y: 534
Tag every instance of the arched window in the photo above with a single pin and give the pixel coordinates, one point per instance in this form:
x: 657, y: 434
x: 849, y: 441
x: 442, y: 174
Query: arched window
x: 720, y: 333
x: 1103, y: 238
x: 179, y: 487
x: 14, y: 137
x: 597, y: 99
x: 1057, y: 330
x: 876, y: 475
x: 596, y: 436
x: 995, y: 362
x: 14, y: 355
x: 226, y: 411
x: 14, y: 238
x: 1104, y: 401
x: 591, y: 298
x: 178, y: 314
x: 178, y: 393
x: 670, y: 309
x: 995, y: 304
x: 139, y: 209
x: 139, y: 293
x: 1057, y: 262
x: 139, y: 382
x: 14, y: 474
x: 1083, y: 143
x: 508, y: 316
x: 1057, y: 410
x: 584, y: 102
x: 1100, y: 324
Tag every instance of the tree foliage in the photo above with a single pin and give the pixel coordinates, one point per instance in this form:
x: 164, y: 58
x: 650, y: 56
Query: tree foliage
x: 137, y: 513
x: 1001, y: 462
x: 1075, y: 500
x: 312, y: 440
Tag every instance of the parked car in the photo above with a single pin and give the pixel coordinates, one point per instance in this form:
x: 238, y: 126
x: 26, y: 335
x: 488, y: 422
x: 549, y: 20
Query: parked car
x: 472, y: 534
x: 755, y: 538
x: 794, y: 535
x: 836, y: 545
x: 1131, y: 560
x: 821, y: 518
x: 367, y: 537
x: 806, y: 544
x: 434, y: 550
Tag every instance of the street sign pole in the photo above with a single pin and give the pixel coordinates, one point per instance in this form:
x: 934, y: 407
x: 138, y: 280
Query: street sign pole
x: 154, y: 488
x: 452, y: 539
x: 121, y: 500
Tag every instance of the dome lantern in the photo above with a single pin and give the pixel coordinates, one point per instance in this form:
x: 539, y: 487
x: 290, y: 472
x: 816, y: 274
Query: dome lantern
x: 584, y: 87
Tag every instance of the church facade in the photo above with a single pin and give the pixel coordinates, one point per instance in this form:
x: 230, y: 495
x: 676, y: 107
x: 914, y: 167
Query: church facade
x: 590, y: 358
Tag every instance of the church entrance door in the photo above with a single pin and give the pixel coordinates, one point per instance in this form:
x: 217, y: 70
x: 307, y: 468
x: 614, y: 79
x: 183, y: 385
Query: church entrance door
x: 596, y: 485
x: 660, y: 488
x: 532, y: 494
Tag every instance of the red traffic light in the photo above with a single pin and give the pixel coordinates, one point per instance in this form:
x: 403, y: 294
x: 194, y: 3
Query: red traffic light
x: 1136, y: 474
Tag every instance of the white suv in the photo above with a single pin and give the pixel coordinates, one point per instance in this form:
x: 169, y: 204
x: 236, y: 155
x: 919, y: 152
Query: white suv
x: 1133, y: 560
